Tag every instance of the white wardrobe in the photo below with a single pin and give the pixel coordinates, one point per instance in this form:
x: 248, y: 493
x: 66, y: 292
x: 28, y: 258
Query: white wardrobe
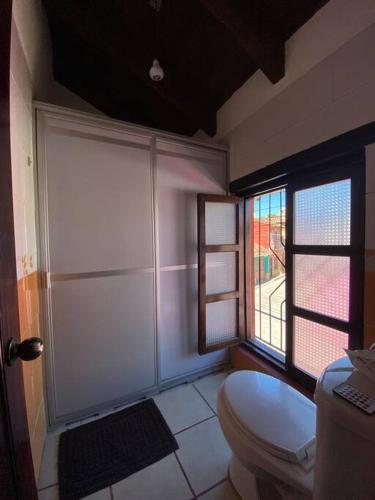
x: 118, y: 251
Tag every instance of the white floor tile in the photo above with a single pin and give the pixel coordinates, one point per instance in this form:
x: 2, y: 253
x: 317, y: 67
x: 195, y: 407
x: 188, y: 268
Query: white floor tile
x: 100, y: 495
x: 49, y: 494
x: 223, y: 491
x: 204, y: 454
x: 48, y: 469
x: 182, y: 407
x: 94, y: 417
x: 53, y: 494
x: 72, y: 425
x: 209, y: 386
x: 64, y: 427
x: 57, y: 430
x: 127, y: 405
x: 162, y: 480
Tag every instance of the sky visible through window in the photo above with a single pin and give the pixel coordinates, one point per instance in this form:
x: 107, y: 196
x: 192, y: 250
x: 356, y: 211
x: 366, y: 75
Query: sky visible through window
x: 274, y: 201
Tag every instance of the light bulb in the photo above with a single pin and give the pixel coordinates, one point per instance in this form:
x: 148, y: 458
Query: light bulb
x: 156, y: 71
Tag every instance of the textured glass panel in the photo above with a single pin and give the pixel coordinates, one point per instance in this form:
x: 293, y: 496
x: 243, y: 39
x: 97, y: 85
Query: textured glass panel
x: 316, y: 346
x: 220, y: 224
x: 322, y: 215
x: 122, y: 308
x: 221, y: 321
x: 321, y: 284
x: 220, y: 272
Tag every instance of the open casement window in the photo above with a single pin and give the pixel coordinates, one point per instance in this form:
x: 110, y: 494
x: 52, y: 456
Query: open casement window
x: 220, y: 271
x: 265, y: 233
x: 304, y: 241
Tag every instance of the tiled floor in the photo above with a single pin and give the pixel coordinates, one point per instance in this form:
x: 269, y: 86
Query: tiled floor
x: 198, y: 469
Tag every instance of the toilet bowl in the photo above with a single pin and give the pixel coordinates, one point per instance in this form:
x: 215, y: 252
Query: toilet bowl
x: 270, y: 428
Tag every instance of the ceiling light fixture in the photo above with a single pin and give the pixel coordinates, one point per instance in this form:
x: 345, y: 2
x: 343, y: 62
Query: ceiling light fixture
x: 156, y: 72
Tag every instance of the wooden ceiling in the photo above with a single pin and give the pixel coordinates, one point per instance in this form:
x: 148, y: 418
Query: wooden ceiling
x: 102, y: 51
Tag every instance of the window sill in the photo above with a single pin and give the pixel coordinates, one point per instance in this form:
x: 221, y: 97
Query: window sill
x: 245, y: 358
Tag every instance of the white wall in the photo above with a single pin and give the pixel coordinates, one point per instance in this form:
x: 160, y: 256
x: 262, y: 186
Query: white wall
x: 30, y: 78
x: 328, y: 89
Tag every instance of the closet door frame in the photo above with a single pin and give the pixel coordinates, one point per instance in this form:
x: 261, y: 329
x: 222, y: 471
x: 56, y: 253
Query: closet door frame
x: 47, y: 116
x: 46, y: 121
x: 203, y: 159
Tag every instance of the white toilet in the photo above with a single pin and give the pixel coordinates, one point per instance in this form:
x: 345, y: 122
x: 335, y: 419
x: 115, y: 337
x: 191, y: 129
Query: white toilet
x: 270, y: 428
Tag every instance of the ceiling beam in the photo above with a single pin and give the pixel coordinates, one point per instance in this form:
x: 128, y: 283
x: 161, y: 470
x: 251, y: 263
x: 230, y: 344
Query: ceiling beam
x: 264, y: 49
x: 168, y: 90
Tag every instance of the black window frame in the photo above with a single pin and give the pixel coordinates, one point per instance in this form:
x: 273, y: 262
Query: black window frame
x: 351, y: 166
x: 319, y: 165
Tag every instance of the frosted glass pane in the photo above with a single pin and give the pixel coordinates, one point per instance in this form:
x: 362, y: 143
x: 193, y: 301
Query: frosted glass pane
x: 87, y: 311
x: 220, y: 224
x: 220, y: 272
x: 321, y: 284
x: 322, y: 215
x: 221, y: 321
x: 316, y: 346
x: 99, y: 204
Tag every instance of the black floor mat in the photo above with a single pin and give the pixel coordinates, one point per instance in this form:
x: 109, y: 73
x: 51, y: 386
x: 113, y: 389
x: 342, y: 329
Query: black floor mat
x: 100, y: 453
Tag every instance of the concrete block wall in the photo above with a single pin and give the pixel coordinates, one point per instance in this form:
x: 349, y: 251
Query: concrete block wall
x: 328, y: 89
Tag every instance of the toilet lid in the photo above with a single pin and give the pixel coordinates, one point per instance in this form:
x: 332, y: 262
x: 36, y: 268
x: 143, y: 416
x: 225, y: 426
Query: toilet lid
x: 280, y: 419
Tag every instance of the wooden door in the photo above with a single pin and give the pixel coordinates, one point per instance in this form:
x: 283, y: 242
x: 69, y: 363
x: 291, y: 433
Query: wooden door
x: 16, y: 469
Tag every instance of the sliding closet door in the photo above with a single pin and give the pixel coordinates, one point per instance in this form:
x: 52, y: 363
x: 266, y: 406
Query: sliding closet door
x: 182, y: 172
x: 96, y: 204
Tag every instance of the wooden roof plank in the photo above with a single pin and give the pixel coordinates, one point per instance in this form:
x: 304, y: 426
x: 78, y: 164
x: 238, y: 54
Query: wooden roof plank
x: 266, y: 50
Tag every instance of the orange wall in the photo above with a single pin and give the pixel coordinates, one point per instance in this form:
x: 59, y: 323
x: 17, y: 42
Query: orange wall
x: 29, y: 313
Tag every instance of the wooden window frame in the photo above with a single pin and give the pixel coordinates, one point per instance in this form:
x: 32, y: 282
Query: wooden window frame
x: 203, y: 249
x: 344, y: 148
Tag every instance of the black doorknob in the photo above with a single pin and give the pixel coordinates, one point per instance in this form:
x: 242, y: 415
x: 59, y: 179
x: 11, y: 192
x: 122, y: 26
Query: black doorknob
x: 27, y: 350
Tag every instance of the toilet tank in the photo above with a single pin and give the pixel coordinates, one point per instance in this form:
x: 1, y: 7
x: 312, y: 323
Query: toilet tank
x: 345, y: 453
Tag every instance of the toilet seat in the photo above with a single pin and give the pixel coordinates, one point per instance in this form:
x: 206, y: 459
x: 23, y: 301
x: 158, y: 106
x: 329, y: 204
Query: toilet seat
x: 257, y: 443
x: 276, y: 417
